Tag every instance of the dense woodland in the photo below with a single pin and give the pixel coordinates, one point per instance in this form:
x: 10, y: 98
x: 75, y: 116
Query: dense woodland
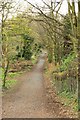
x: 39, y: 28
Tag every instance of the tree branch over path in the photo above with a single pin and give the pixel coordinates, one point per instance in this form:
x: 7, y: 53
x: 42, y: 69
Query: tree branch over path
x: 42, y: 13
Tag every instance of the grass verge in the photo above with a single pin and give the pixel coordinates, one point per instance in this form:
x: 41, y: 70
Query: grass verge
x: 69, y: 99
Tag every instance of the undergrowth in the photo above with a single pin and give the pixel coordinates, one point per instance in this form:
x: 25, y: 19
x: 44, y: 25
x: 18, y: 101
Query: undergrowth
x: 10, y: 83
x: 66, y: 62
x: 69, y: 99
x: 10, y: 80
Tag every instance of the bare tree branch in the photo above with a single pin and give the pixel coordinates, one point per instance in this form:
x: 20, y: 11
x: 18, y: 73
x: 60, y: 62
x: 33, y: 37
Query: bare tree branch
x: 42, y: 13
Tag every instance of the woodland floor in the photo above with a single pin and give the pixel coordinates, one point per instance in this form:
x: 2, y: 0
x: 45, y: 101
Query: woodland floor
x: 32, y: 98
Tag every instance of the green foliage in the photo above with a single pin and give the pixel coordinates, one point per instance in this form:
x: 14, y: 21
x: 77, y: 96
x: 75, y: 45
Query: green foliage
x: 1, y: 73
x: 34, y: 59
x: 67, y: 27
x: 69, y: 99
x: 12, y: 75
x: 37, y: 48
x: 17, y: 42
x: 27, y: 48
x: 10, y: 83
x: 68, y: 44
x: 50, y: 57
x: 67, y: 61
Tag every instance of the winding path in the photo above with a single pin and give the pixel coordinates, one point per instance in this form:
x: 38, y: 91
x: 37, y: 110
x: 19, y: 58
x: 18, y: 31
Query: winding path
x: 28, y: 99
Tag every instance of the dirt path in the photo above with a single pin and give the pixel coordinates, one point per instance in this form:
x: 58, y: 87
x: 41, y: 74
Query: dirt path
x: 28, y: 99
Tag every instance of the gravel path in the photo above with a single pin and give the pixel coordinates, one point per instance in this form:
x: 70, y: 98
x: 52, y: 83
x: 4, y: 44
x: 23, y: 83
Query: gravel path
x: 27, y: 100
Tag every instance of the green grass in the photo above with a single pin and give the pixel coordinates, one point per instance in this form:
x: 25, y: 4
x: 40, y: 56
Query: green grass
x: 15, y: 74
x: 10, y: 75
x: 69, y: 99
x: 1, y: 73
x: 11, y: 79
x: 10, y: 83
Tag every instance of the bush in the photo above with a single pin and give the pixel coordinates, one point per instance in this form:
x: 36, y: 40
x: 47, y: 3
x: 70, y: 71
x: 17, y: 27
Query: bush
x: 66, y: 62
x: 50, y: 58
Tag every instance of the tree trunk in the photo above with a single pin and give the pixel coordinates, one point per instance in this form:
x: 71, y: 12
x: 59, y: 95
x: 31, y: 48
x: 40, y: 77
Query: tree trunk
x: 78, y: 36
x: 5, y: 74
x: 73, y: 20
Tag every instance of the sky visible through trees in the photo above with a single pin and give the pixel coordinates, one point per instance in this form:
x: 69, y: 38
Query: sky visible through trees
x: 30, y: 28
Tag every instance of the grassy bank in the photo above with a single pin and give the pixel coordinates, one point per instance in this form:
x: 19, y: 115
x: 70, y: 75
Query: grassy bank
x: 66, y: 96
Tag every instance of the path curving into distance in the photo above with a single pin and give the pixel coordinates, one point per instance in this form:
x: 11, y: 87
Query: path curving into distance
x: 28, y: 99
